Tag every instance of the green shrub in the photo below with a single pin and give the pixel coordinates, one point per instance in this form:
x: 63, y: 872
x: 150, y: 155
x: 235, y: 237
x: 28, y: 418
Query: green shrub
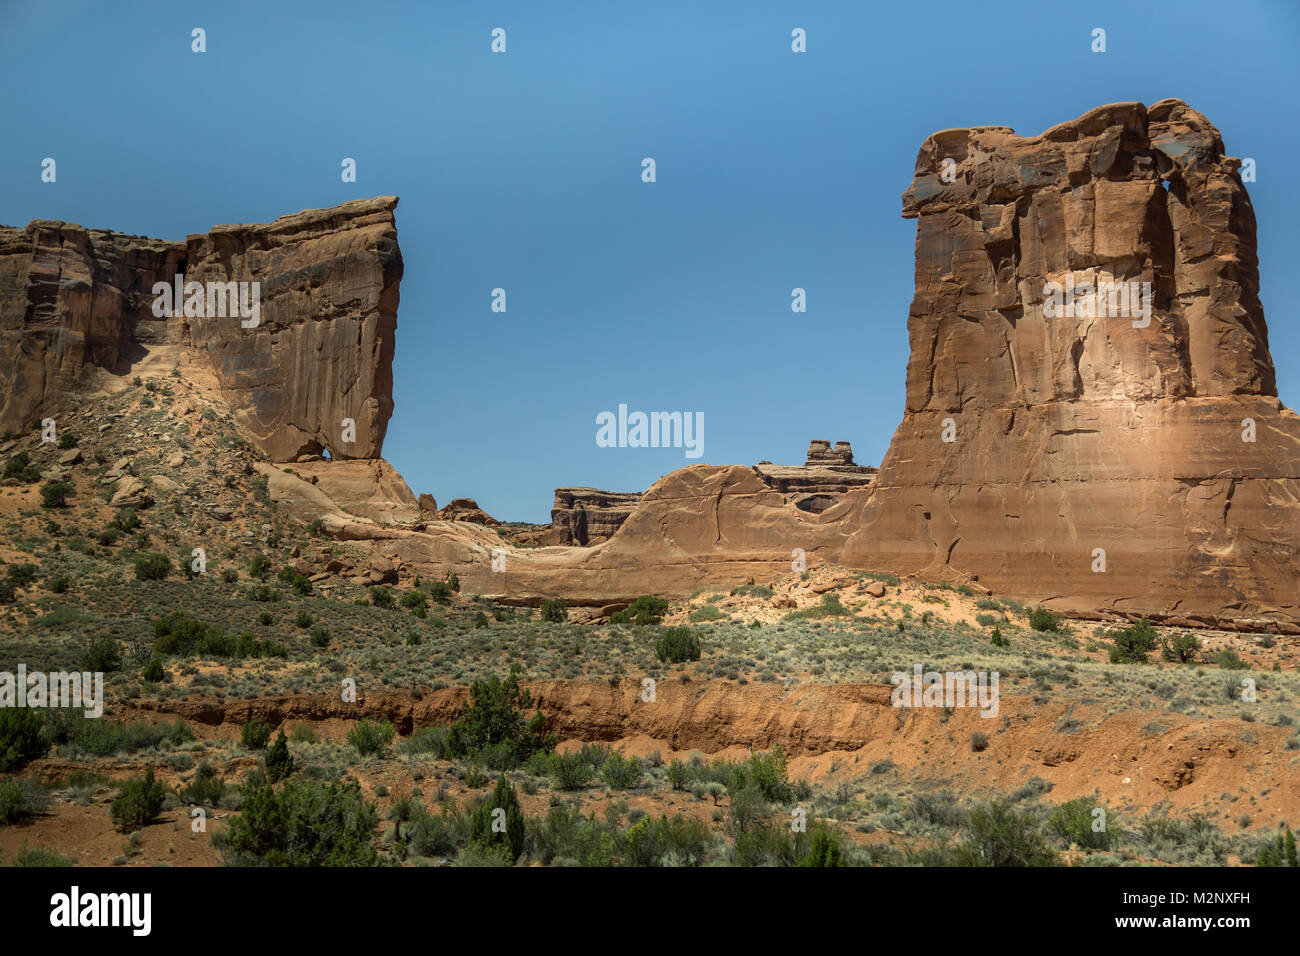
x: 825, y: 849
x: 495, y: 715
x: 302, y: 619
x: 304, y: 823
x: 152, y: 567
x: 996, y: 638
x: 40, y: 857
x: 153, y: 671
x: 60, y: 584
x: 126, y: 520
x: 102, y: 654
x: 706, y: 613
x: 1133, y: 644
x: 499, y: 822
x: 987, y: 620
x: 644, y: 610
x: 997, y: 834
x: 254, y: 735
x: 371, y: 737
x: 55, y: 494
x: 441, y: 592
x: 678, y: 775
x: 1041, y: 619
x: 621, y: 773
x: 20, y: 798
x: 206, y: 789
x: 1073, y: 822
x: 678, y: 644
x: 7, y: 592
x: 381, y: 597
x: 141, y: 800
x: 97, y: 737
x: 555, y: 611
x: 570, y: 771
x: 1182, y: 648
x: 22, y: 736
x: 320, y: 637
x: 414, y: 599
x: 426, y: 740
x: 1229, y: 660
x: 1279, y: 851
x: 21, y: 575
x: 278, y: 762
x: 16, y: 465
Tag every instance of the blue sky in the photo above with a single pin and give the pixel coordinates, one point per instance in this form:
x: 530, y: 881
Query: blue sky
x: 522, y: 171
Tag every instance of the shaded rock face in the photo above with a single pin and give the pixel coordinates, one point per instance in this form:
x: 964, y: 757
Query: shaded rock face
x: 1072, y: 435
x: 75, y: 303
x: 71, y: 302
x: 323, y: 351
x: 584, y: 516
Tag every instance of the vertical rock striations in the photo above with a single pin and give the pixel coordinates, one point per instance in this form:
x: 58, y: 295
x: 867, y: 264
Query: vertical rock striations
x: 1151, y: 440
x: 77, y: 304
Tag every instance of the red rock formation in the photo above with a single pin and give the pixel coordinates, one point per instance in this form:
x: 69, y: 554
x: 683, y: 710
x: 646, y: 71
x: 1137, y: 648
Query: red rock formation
x: 76, y: 304
x: 323, y: 351
x: 1081, y: 434
x: 71, y: 300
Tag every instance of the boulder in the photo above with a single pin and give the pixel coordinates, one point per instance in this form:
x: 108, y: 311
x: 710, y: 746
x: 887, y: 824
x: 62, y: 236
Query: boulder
x: 131, y: 492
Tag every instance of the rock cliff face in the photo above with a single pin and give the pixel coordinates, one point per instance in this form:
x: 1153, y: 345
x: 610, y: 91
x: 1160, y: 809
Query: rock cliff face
x: 323, y: 351
x: 71, y: 300
x: 78, y: 304
x: 1097, y: 460
x: 585, y: 516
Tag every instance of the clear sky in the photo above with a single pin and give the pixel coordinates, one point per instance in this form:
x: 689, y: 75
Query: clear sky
x: 522, y: 171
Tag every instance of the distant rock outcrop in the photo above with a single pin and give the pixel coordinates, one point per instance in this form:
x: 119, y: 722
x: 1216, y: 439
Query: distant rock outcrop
x: 586, y: 516
x: 820, y: 453
x: 314, y: 374
x: 466, y: 509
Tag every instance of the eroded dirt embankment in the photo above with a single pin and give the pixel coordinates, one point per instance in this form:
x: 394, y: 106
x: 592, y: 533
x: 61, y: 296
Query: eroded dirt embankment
x: 839, y: 730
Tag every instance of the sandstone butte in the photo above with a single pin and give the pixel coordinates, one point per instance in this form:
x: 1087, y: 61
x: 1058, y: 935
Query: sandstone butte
x: 76, y: 305
x: 1068, y: 434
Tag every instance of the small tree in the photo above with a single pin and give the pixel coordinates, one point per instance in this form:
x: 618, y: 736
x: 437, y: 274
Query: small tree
x: 370, y: 737
x: 1041, y: 619
x: 499, y: 821
x: 825, y: 850
x: 678, y: 644
x: 495, y: 715
x: 141, y: 800
x: 55, y: 494
x: 1133, y: 644
x: 278, y: 761
x: 152, y: 567
x: 255, y: 735
x: 555, y: 611
x: 102, y: 655
x: 1182, y: 648
x: 21, y: 736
